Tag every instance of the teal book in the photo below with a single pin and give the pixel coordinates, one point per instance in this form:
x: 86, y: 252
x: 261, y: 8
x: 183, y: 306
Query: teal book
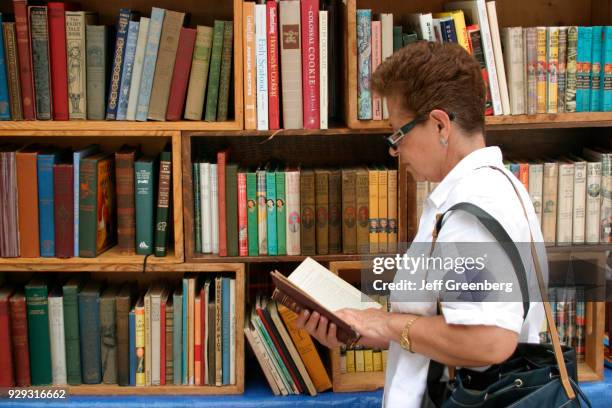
x: 596, y: 65
x: 177, y: 336
x: 252, y: 213
x: 5, y: 111
x: 397, y: 38
x: 132, y: 345
x: 364, y: 64
x: 148, y: 64
x: 225, y: 329
x: 606, y: 70
x: 185, y: 339
x: 281, y: 213
x: 271, y: 211
x: 214, y: 73
x: 583, y: 69
x: 46, y: 207
x: 164, y: 199
x: 89, y: 332
x: 231, y: 208
x: 36, y: 293
x: 262, y: 224
x: 197, y: 209
x: 71, y: 291
x: 144, y: 169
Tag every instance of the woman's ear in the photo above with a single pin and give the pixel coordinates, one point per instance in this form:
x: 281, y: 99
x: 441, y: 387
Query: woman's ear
x: 442, y: 121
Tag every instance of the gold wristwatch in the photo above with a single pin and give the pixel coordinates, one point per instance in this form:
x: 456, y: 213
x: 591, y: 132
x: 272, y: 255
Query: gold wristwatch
x: 405, y: 342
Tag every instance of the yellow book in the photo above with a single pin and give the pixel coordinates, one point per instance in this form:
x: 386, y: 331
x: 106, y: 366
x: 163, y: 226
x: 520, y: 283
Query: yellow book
x: 350, y: 360
x: 368, y: 363
x: 384, y: 359
x: 359, y: 359
x: 373, y: 228
x: 552, y: 54
x: 392, y: 211
x: 377, y: 360
x: 382, y: 210
x: 541, y: 70
x: 343, y: 359
x: 139, y: 322
x: 460, y: 28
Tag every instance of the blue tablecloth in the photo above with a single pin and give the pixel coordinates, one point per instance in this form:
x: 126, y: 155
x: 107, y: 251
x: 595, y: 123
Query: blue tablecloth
x: 257, y: 395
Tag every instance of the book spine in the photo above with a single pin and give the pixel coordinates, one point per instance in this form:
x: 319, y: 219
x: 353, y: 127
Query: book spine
x: 38, y: 333
x: 118, y: 57
x: 272, y: 60
x: 530, y: 55
x: 96, y: 40
x: 375, y: 61
x: 218, y: 332
x: 383, y: 208
x: 132, y: 347
x: 373, y: 210
x: 565, y: 203
x: 322, y: 211
x: 271, y: 213
x: 225, y: 73
x: 139, y: 317
x: 39, y: 42
x: 63, y: 210
x: 106, y: 230
x: 231, y: 208
x: 198, y: 340
x: 307, y: 211
x: 108, y: 340
x: 606, y: 70
x: 127, y: 69
x: 58, y: 57
x: 335, y: 212
x: 77, y: 64
x: 177, y: 339
x: 291, y: 64
x: 163, y: 203
x: 71, y: 334
x: 180, y: 76
x: 225, y: 330
x: 232, y: 331
x: 292, y: 185
x: 19, y: 336
x: 25, y: 59
x: 261, y: 57
x: 46, y: 205
x: 310, y: 63
x: 596, y: 65
x: 57, y: 339
x: 552, y: 68
x: 324, y: 89
x: 222, y: 158
x: 141, y: 46
x: 149, y: 63
x: 122, y: 319
x: 541, y: 70
x: 212, y: 96
x: 262, y: 222
x: 489, y: 57
x: 243, y: 244
x: 12, y: 68
x: 250, y: 67
x: 252, y: 214
x: 392, y: 228
x: 364, y: 47
x: 155, y: 332
x: 583, y: 68
x: 571, y: 69
x: 144, y: 193
x: 206, y: 214
x: 593, y: 200
x: 198, y: 77
x: 387, y: 45
x: 197, y: 208
x: 148, y: 348
x: 281, y: 213
x: 606, y: 199
x: 478, y: 53
x: 362, y: 200
x: 7, y: 378
x: 500, y: 71
x: 549, y: 200
x: 126, y: 225
x: 536, y: 172
x: 579, y: 205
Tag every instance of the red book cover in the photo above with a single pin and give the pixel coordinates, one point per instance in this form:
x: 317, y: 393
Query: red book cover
x: 57, y: 57
x: 162, y: 342
x: 6, y: 358
x: 243, y: 239
x: 19, y: 334
x: 310, y: 63
x: 222, y: 157
x: 203, y: 335
x: 63, y: 192
x: 273, y: 88
x: 20, y: 8
x: 180, y: 76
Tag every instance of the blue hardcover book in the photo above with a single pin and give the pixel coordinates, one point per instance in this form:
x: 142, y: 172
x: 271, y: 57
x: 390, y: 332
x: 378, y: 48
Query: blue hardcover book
x: 515, y: 169
x: 5, y: 111
x: 364, y: 63
x: 225, y: 329
x: 76, y: 160
x: 606, y: 70
x: 184, y: 377
x: 126, y: 70
x: 177, y: 333
x: 583, y: 69
x: 271, y: 211
x: 118, y: 54
x: 596, y: 58
x: 132, y: 346
x: 46, y: 224
x: 447, y: 28
x: 89, y: 332
x: 148, y: 65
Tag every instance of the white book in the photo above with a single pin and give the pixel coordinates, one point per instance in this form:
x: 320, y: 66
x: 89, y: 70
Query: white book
x: 386, y: 20
x: 214, y: 208
x: 206, y: 214
x: 512, y: 40
x: 593, y: 202
x: 261, y: 61
x: 536, y: 186
x: 605, y: 209
x: 565, y: 203
x: 232, y: 331
x: 323, y: 87
x: 291, y: 63
x: 423, y: 25
x: 143, y: 32
x: 58, y: 342
x: 292, y: 187
x: 499, y: 57
x: 437, y: 30
x: 579, y: 210
x: 262, y: 358
x: 476, y: 13
x: 422, y: 191
x: 155, y: 333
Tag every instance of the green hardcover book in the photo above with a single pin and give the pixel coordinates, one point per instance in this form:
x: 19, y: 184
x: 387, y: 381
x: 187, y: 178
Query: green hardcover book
x: 335, y: 212
x: 281, y: 213
x: 271, y: 210
x: 197, y: 208
x: 214, y: 73
x: 226, y: 69
x: 252, y: 213
x: 397, y: 38
x: 409, y: 38
x: 307, y: 204
x: 144, y: 170
x: 38, y: 331
x: 164, y: 192
x: 71, y: 291
x: 231, y: 208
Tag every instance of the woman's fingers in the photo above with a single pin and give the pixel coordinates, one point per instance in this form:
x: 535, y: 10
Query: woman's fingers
x: 332, y: 341
x: 322, y: 330
x: 300, y: 322
x: 311, y: 324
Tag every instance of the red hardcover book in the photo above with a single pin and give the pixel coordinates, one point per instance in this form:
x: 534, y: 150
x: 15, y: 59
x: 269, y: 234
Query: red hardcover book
x: 243, y: 239
x: 7, y: 379
x: 63, y: 190
x: 310, y: 63
x: 19, y: 335
x: 162, y: 342
x: 20, y: 8
x: 180, y: 76
x: 57, y: 57
x: 203, y: 336
x: 222, y: 157
x: 273, y: 81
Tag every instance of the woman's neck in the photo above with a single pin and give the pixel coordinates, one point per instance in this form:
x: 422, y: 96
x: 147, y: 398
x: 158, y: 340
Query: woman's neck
x: 460, y: 147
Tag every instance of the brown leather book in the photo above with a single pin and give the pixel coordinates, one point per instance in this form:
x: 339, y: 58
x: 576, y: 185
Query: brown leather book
x: 123, y: 306
x: 349, y: 218
x: 63, y: 176
x: 27, y: 185
x: 322, y: 211
x: 362, y: 203
x: 19, y: 335
x: 307, y: 204
x: 12, y: 70
x: 335, y: 211
x: 169, y: 341
x: 124, y: 176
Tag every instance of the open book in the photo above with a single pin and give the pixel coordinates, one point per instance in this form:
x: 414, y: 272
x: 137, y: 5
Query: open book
x: 313, y: 287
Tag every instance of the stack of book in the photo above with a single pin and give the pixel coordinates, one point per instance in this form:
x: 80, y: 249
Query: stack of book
x: 291, y: 63
x: 65, y: 203
x: 568, y: 307
x: 89, y: 332
x: 571, y: 195
x: 56, y: 63
x: 276, y: 210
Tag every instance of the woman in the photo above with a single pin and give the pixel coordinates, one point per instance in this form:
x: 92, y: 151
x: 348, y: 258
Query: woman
x: 436, y: 96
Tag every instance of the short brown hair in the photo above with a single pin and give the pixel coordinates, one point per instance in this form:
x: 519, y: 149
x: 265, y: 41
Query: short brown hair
x: 427, y: 75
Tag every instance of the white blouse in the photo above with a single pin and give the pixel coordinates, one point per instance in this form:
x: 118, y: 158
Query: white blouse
x: 487, y: 188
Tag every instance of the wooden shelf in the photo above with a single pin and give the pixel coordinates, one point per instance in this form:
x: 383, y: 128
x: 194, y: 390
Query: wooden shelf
x: 579, y: 248
x: 102, y: 125
x: 284, y: 258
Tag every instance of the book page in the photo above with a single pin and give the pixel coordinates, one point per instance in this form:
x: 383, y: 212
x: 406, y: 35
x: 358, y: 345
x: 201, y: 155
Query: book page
x: 329, y: 289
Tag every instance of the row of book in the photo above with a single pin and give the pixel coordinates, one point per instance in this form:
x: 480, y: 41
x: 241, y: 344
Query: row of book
x: 291, y: 63
x: 277, y: 210
x: 64, y: 203
x: 572, y: 196
x: 89, y: 332
x: 56, y: 63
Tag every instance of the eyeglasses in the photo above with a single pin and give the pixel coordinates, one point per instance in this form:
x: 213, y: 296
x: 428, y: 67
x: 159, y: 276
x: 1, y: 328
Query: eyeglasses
x: 396, y: 137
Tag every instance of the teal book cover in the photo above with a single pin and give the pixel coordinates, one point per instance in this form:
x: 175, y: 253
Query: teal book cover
x: 252, y: 213
x: 606, y: 70
x: 38, y: 331
x: 364, y: 64
x: 5, y: 111
x: 583, y: 69
x: 281, y: 213
x: 596, y: 66
x: 148, y: 65
x: 271, y: 212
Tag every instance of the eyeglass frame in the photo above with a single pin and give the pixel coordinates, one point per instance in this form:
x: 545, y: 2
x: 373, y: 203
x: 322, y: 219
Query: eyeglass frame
x: 393, y: 140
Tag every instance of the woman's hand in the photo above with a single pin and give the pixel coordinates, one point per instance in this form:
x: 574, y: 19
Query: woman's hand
x: 317, y: 326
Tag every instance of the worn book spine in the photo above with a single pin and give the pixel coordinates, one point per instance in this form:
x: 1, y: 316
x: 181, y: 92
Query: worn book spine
x: 123, y: 22
x: 122, y: 311
x: 89, y: 333
x: 562, y: 69
x: 594, y: 81
x: 148, y: 349
x: 76, y: 164
x: 96, y: 40
x: 291, y: 64
x: 273, y: 69
x: 373, y: 210
x: 386, y: 21
x: 335, y: 212
x: 565, y: 203
x: 593, y: 200
x: 39, y: 42
x: 7, y: 377
x: 126, y: 224
x: 541, y: 70
x: 180, y: 76
x: 225, y: 329
x: 26, y: 74
x: 322, y: 211
x: 376, y: 56
x: 364, y: 50
x: 324, y: 69
x: 579, y: 205
x: 58, y: 58
x: 222, y: 158
x: 261, y: 56
x: 57, y: 339
x: 63, y: 210
x: 127, y: 69
x: 46, y: 204
x: 71, y: 332
x: 249, y: 70
x: 149, y: 63
x: 606, y: 70
x: 583, y: 68
x: 310, y: 63
x: 512, y: 38
x: 38, y: 333
x: 155, y: 332
x: 108, y: 340
x: 243, y: 244
x: 77, y: 64
x: 231, y: 208
x: 362, y: 201
x: 226, y: 69
x: 292, y: 186
x: 88, y: 206
x: 536, y: 173
x: 139, y: 55
x: 12, y: 69
x: 307, y: 211
x: 530, y: 55
x: 252, y: 222
x: 281, y: 213
x: 262, y: 222
x: 383, y: 209
x: 271, y: 213
x: 217, y: 332
x: 27, y: 184
x: 19, y: 337
x: 177, y: 339
x: 571, y: 69
x: 166, y: 57
x: 168, y: 364
x: 198, y: 77
x: 139, y: 318
x: 132, y: 347
x: 214, y: 209
x: 549, y: 202
x: 197, y: 208
x: 162, y: 217
x: 214, y: 74
x: 392, y: 229
x: 144, y: 198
